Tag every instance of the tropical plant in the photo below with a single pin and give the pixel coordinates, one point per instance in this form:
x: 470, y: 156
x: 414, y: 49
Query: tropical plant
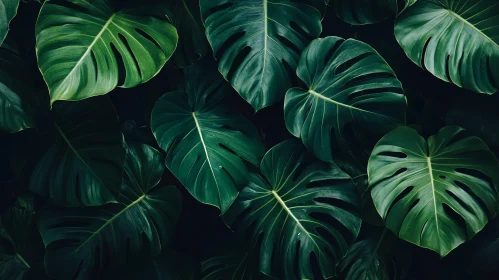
x: 255, y: 139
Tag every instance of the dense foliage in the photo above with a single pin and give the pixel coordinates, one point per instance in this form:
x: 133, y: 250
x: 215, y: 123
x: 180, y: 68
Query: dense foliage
x: 249, y: 139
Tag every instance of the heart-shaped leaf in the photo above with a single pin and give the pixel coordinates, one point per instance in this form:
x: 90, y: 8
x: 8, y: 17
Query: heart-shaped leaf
x: 16, y: 94
x: 81, y: 46
x: 455, y: 40
x: 206, y: 139
x: 437, y: 193
x: 87, y: 243
x: 83, y: 164
x: 352, y: 95
x: 301, y: 207
x: 258, y: 43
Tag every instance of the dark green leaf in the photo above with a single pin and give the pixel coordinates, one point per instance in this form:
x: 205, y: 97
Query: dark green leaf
x: 358, y: 12
x: 8, y: 10
x: 437, y: 193
x: 302, y: 207
x: 192, y: 44
x: 81, y: 46
x: 16, y: 94
x: 258, y: 43
x: 85, y: 243
x: 206, y: 139
x: 84, y: 163
x: 455, y: 40
x: 352, y: 95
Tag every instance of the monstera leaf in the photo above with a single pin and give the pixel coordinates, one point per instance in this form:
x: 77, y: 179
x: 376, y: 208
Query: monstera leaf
x: 258, y: 43
x: 435, y: 194
x: 15, y: 230
x: 231, y: 265
x: 81, y: 46
x: 8, y: 10
x: 85, y: 243
x: 455, y: 40
x: 16, y: 108
x: 302, y: 207
x: 206, y: 139
x: 192, y: 44
x: 83, y: 164
x: 352, y: 95
x: 358, y: 12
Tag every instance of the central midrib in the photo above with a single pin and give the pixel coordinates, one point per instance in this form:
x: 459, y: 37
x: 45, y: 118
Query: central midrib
x: 430, y: 170
x: 89, y: 48
x: 472, y: 26
x: 283, y: 204
x: 198, y: 127
x: 111, y: 220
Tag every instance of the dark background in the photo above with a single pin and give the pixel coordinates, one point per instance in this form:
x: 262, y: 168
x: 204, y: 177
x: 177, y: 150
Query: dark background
x: 432, y: 104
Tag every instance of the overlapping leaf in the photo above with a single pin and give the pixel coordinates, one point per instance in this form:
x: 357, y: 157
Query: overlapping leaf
x: 16, y: 94
x: 206, y: 139
x: 435, y: 194
x: 352, y: 95
x: 83, y: 164
x: 457, y: 41
x: 301, y: 207
x: 8, y: 10
x: 258, y: 43
x: 81, y: 46
x: 88, y: 243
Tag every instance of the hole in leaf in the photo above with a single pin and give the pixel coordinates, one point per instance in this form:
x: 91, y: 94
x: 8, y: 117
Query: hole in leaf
x: 373, y: 91
x: 296, y: 27
x: 94, y: 63
x: 127, y: 45
x: 477, y: 174
x: 393, y: 154
x: 286, y: 42
x: 288, y: 68
x: 423, y: 55
x: 492, y: 80
x: 216, y: 9
x: 447, y: 68
x: 360, y: 80
x: 62, y: 243
x: 148, y: 37
x: 332, y: 51
x: 334, y: 223
x: 455, y: 217
x: 398, y: 198
x: 241, y: 56
x: 314, y: 263
x: 464, y: 205
x: 296, y: 260
x: 475, y: 197
x: 120, y: 64
x: 339, y: 203
x: 230, y: 41
x: 442, y: 177
x: 349, y: 63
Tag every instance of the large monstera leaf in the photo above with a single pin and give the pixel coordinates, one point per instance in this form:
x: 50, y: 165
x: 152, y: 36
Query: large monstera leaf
x: 206, y: 139
x: 435, y: 194
x: 352, y: 95
x: 8, y: 10
x: 303, y: 207
x: 83, y: 164
x: 16, y: 94
x: 81, y: 46
x: 258, y: 43
x: 88, y: 243
x: 359, y: 12
x: 455, y: 40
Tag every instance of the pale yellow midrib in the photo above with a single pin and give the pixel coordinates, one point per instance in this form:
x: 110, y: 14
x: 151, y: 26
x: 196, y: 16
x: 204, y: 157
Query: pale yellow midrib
x: 430, y: 170
x: 89, y: 48
x: 289, y: 211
